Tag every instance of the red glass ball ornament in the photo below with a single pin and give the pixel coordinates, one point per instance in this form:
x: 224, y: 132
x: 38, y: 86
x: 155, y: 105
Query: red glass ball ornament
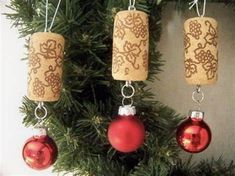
x: 193, y: 135
x: 40, y: 152
x: 126, y: 133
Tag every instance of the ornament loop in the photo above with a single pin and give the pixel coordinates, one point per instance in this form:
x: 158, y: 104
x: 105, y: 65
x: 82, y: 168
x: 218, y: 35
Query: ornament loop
x: 195, y: 114
x: 195, y: 2
x: 42, y: 110
x: 131, y: 5
x: 123, y: 101
x: 53, y: 19
x: 128, y: 85
x: 200, y: 96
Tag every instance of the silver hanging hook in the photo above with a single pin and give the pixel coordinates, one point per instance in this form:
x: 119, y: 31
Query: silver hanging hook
x: 128, y: 85
x: 200, y: 94
x: 195, y: 2
x: 42, y: 109
x: 131, y: 5
x: 125, y: 96
x: 130, y: 104
x: 198, y: 88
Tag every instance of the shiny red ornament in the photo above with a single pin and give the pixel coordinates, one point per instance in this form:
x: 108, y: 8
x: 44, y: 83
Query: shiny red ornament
x: 40, y: 152
x: 126, y: 133
x: 193, y: 135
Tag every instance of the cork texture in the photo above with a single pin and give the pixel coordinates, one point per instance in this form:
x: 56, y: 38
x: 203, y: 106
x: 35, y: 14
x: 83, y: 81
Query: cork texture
x: 130, y: 46
x: 46, y: 51
x: 201, y: 50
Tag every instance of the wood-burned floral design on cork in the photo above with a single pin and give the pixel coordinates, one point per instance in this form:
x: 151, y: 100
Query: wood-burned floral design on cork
x: 135, y: 23
x: 211, y: 36
x: 38, y: 88
x: 34, y: 61
x: 45, y: 69
x: 53, y: 79
x: 145, y: 60
x: 132, y: 22
x: 130, y: 46
x: 48, y: 49
x: 129, y: 53
x: 200, y: 56
x: 187, y: 43
x: 119, y: 32
x: 190, y: 68
x: 195, y: 29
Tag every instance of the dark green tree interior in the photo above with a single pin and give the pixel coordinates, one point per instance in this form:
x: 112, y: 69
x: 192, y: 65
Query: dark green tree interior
x: 90, y: 97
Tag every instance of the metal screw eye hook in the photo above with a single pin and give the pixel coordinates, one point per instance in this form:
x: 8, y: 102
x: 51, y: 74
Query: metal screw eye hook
x: 42, y: 109
x: 128, y: 85
x: 198, y: 88
x: 200, y: 93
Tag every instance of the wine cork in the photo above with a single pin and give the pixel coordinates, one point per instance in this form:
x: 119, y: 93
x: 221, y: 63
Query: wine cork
x: 201, y: 50
x: 46, y: 51
x: 130, y: 46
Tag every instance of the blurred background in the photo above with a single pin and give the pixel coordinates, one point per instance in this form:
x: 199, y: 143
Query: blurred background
x: 171, y: 87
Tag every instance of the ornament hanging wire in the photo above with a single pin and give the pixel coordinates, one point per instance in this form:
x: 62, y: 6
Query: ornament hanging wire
x: 131, y: 5
x: 195, y: 2
x: 46, y: 20
x: 53, y: 19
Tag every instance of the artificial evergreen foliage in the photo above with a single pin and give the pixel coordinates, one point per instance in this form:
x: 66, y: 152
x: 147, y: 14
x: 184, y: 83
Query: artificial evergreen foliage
x: 90, y: 97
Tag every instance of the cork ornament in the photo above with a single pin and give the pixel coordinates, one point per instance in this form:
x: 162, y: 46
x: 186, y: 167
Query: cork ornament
x: 45, y: 62
x: 201, y: 50
x: 130, y: 63
x: 201, y: 62
x: 130, y: 45
x: 46, y: 52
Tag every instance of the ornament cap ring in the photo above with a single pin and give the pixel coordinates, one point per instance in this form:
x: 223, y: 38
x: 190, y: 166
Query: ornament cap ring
x: 195, y: 114
x: 127, y: 110
x: 131, y: 5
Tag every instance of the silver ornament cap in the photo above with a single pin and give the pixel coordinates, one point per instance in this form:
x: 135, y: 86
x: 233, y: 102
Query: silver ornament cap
x: 39, y: 131
x: 127, y: 110
x: 196, y: 114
